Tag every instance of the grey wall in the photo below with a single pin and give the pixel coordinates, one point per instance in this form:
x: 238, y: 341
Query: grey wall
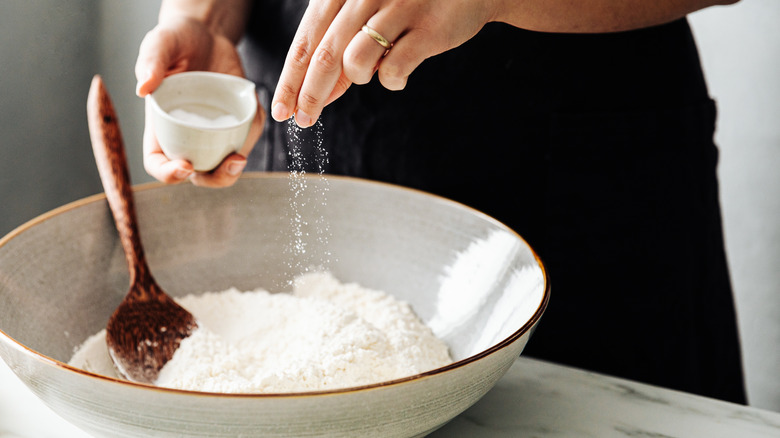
x: 740, y: 50
x: 47, y: 56
x: 49, y: 51
x: 123, y: 25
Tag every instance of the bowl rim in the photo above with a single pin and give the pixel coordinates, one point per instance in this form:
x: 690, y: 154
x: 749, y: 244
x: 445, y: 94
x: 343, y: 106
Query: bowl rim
x: 153, y: 98
x: 277, y: 175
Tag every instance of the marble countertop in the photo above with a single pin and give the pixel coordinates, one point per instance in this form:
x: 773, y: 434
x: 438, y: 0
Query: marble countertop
x: 534, y: 399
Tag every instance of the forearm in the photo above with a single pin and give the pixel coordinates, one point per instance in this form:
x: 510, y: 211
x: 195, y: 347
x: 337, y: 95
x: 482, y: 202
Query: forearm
x: 594, y: 16
x: 225, y: 17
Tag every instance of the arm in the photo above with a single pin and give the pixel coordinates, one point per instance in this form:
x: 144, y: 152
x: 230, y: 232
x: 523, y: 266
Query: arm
x: 225, y: 17
x: 191, y: 34
x: 329, y: 52
x: 595, y: 16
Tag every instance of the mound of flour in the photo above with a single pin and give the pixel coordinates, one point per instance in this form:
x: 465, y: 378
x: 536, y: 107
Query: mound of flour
x: 323, y: 335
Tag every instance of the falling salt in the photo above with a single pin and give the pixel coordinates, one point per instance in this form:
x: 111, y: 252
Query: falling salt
x: 307, y: 218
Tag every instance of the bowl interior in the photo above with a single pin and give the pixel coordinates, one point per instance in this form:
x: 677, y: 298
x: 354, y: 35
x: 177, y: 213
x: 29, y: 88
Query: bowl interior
x: 475, y: 282
x: 214, y: 94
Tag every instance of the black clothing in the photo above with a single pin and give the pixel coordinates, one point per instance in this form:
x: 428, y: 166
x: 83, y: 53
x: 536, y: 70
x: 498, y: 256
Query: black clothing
x: 597, y: 149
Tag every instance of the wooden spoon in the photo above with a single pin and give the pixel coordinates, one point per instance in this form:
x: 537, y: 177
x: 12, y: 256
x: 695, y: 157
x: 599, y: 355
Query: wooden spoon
x: 147, y: 327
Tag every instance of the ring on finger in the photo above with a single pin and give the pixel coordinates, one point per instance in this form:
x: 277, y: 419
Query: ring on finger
x: 377, y: 37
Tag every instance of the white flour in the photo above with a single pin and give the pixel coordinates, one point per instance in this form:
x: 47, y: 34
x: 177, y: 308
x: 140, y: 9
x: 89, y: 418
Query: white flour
x: 324, y: 335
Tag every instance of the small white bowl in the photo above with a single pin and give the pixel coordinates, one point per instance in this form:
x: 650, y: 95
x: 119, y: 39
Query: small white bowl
x: 202, y: 117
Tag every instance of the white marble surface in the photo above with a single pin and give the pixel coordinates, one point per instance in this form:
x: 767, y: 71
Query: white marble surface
x: 534, y: 399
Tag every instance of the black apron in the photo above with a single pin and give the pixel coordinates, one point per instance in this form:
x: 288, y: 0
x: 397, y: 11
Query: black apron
x: 597, y: 149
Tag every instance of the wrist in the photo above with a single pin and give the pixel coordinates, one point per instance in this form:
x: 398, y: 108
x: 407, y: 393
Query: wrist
x: 222, y: 17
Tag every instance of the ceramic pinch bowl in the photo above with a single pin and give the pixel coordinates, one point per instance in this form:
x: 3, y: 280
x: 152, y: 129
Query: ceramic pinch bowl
x: 202, y: 117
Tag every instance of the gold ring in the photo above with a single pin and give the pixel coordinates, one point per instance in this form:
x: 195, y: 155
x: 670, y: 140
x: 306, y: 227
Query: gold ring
x: 377, y: 37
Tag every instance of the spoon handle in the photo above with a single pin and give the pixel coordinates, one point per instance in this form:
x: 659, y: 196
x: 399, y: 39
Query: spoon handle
x: 108, y: 147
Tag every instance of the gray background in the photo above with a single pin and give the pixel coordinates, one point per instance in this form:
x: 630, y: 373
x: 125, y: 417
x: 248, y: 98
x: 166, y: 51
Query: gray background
x: 50, y: 50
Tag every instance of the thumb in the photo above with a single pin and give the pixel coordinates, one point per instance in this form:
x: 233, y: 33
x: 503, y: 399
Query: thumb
x: 155, y: 57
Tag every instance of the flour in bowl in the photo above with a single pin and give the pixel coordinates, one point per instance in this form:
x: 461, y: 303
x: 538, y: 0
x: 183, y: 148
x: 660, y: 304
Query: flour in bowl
x: 323, y: 335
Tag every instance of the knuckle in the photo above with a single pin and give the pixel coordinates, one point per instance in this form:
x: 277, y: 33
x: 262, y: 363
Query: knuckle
x: 392, y: 84
x: 362, y: 5
x: 152, y: 168
x: 390, y: 70
x: 148, y: 39
x: 286, y: 91
x: 299, y: 54
x: 357, y: 69
x: 360, y: 77
x: 326, y: 59
x: 343, y: 84
x: 392, y: 76
x: 308, y: 101
x: 356, y: 58
x: 351, y: 59
x: 152, y: 171
x: 212, y: 180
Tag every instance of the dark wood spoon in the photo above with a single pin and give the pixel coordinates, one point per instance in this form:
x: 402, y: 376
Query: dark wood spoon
x: 148, y: 326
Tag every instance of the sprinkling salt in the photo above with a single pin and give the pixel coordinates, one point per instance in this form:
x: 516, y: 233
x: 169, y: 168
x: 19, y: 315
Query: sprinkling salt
x: 314, y: 221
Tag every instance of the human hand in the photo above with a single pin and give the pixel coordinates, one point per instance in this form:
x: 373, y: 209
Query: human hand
x: 174, y: 46
x: 330, y: 52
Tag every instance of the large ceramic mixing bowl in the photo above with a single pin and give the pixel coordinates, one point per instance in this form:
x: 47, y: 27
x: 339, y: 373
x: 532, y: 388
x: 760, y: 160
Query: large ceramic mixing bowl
x: 475, y: 282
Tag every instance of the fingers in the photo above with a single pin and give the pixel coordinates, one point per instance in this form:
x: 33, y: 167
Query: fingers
x: 341, y: 87
x: 156, y: 163
x: 330, y: 52
x: 178, y: 45
x: 365, y: 55
x: 156, y: 56
x: 307, y: 37
x: 165, y: 170
x: 411, y: 45
x: 175, y: 171
x: 225, y: 175
x: 312, y: 75
x: 325, y: 78
x: 406, y: 55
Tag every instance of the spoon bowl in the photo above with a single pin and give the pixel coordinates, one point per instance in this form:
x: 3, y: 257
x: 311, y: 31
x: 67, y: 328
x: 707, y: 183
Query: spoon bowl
x: 147, y: 327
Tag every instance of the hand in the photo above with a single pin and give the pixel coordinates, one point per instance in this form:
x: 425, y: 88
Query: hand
x: 330, y: 52
x: 178, y: 45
